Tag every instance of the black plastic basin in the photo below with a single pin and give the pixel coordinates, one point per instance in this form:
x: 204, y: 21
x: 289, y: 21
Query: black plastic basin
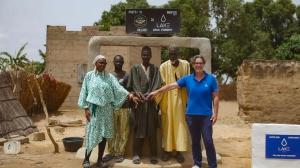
x: 72, y: 144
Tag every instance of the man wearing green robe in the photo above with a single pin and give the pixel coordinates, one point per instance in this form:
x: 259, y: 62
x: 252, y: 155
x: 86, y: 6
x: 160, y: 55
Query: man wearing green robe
x: 145, y: 78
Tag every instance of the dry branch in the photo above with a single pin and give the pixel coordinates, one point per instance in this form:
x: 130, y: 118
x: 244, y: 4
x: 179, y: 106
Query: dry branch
x: 56, y: 148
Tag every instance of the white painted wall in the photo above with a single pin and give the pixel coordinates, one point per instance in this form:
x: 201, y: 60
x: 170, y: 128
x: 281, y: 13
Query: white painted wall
x: 258, y: 140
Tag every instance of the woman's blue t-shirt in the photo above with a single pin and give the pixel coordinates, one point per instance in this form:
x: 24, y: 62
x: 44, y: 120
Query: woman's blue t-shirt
x: 199, y: 93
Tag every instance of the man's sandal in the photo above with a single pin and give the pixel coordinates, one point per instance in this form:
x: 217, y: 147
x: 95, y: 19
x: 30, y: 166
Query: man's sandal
x: 86, y: 164
x: 119, y: 158
x: 153, y: 160
x: 165, y: 156
x: 107, y: 157
x: 179, y: 157
x: 136, y: 159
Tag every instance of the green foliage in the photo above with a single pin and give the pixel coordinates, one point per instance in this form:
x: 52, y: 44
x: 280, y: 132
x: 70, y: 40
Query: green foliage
x: 116, y: 15
x: 41, y: 66
x: 274, y: 17
x: 261, y: 46
x: 252, y: 30
x: 35, y: 66
x: 20, y: 61
x: 298, y: 17
x: 290, y: 49
x: 232, y: 36
x: 261, y: 29
x: 232, y: 56
x: 3, y: 63
x: 164, y: 54
x: 194, y: 16
x: 298, y: 12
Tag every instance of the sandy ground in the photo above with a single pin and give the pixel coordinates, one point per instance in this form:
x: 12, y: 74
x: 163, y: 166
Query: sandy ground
x: 231, y: 135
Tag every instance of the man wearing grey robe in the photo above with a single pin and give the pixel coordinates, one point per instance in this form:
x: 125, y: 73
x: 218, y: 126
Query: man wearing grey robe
x: 145, y: 78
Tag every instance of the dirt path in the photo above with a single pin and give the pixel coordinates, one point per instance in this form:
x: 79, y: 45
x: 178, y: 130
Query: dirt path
x: 231, y: 135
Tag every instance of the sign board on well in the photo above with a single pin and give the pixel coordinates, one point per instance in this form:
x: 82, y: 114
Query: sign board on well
x: 283, y: 146
x: 152, y: 21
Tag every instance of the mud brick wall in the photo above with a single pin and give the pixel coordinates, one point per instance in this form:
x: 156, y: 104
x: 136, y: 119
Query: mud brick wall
x: 66, y: 50
x: 269, y: 91
x: 227, y: 92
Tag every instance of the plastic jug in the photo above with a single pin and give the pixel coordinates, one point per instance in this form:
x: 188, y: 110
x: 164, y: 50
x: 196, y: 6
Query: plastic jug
x: 12, y: 147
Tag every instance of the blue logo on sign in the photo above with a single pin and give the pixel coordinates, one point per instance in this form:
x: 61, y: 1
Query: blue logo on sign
x: 283, y: 146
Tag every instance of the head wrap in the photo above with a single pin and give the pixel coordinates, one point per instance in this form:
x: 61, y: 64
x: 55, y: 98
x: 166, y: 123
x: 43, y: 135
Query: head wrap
x: 97, y: 58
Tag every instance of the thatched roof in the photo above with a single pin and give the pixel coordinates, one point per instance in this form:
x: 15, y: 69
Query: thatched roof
x: 13, y: 118
x: 54, y: 92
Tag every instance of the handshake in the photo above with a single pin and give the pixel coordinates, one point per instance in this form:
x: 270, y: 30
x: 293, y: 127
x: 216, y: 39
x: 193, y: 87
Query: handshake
x: 138, y: 97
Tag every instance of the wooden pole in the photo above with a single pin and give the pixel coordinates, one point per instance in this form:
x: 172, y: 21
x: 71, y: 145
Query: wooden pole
x: 56, y: 148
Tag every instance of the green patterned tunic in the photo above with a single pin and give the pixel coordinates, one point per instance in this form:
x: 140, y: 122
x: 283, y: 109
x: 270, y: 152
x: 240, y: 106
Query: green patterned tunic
x: 102, y: 94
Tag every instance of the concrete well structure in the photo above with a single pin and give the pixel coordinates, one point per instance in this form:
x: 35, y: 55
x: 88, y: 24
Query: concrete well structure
x: 70, y: 53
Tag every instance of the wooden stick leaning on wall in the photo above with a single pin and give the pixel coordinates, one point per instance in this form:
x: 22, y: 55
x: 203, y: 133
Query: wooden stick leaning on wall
x: 56, y: 148
x: 31, y: 92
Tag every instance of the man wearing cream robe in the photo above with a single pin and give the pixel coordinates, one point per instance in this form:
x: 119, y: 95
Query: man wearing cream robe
x: 172, y: 105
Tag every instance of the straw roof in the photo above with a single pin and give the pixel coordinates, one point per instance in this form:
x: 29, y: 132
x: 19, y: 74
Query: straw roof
x: 13, y: 118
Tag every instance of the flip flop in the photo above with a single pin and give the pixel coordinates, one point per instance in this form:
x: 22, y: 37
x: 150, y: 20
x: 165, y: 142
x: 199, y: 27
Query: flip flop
x: 107, y: 157
x: 165, y: 156
x: 153, y: 160
x: 179, y: 157
x: 119, y: 159
x: 86, y: 164
x: 136, y: 159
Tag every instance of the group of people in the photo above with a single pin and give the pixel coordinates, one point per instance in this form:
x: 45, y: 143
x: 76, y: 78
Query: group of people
x: 186, y: 101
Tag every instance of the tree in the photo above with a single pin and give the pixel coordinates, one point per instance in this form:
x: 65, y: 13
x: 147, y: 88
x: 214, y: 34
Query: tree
x: 3, y: 63
x: 250, y: 30
x: 298, y: 16
x: 41, y: 66
x: 116, y: 15
x: 276, y: 18
x: 262, y: 29
x: 290, y: 49
x: 19, y: 61
x: 37, y: 67
x: 261, y: 47
x: 232, y: 36
x: 194, y: 17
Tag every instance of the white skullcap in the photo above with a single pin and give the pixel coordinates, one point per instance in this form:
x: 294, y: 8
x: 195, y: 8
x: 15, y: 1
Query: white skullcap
x: 97, y: 58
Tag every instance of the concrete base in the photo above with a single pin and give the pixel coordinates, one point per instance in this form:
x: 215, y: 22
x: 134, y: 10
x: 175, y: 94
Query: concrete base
x: 127, y: 163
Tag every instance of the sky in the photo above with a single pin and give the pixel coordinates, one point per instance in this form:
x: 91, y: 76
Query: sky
x: 25, y: 21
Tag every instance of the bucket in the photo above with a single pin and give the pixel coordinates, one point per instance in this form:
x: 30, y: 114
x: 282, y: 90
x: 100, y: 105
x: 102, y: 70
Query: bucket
x: 12, y: 147
x: 72, y: 144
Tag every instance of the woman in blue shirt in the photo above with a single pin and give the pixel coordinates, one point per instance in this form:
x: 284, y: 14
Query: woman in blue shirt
x: 202, y: 90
